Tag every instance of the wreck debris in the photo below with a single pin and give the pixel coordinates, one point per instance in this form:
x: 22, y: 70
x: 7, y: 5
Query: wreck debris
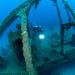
x: 69, y: 17
x: 22, y: 13
x: 67, y: 25
x: 61, y: 27
x: 2, y: 62
x: 26, y: 45
x: 10, y: 18
x: 69, y: 8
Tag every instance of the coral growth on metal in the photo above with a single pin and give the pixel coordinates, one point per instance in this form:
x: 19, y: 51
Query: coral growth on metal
x: 57, y: 58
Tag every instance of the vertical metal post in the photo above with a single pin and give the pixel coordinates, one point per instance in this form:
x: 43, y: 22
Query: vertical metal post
x: 61, y: 27
x: 26, y: 45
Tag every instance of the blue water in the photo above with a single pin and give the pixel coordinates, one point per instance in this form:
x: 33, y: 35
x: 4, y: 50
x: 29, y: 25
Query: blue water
x: 45, y: 15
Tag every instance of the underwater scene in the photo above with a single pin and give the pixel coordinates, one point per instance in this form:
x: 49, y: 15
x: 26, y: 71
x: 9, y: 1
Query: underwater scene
x: 37, y: 37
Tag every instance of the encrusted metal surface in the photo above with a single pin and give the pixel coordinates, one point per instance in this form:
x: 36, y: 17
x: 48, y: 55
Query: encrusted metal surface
x: 22, y: 13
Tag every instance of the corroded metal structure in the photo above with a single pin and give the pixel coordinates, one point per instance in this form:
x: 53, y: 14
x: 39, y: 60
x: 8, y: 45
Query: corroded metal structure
x: 22, y: 12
